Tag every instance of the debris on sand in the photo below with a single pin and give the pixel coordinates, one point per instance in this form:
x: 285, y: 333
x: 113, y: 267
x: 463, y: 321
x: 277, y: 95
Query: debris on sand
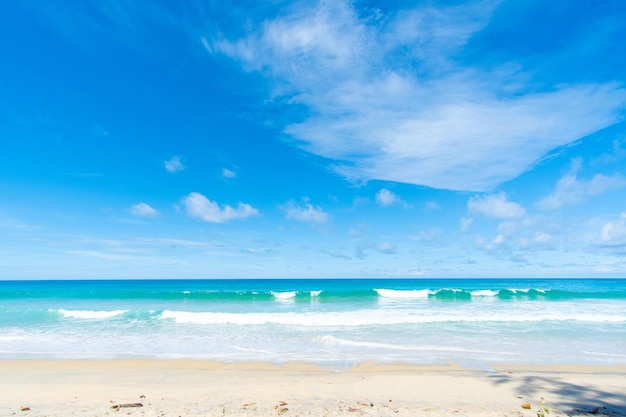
x: 281, y: 407
x: 128, y: 405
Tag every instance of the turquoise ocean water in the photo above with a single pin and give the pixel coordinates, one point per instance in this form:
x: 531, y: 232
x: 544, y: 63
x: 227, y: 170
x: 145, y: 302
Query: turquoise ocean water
x: 330, y: 322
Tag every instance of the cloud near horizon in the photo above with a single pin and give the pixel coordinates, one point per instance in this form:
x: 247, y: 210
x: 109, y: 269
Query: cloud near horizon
x: 387, y: 99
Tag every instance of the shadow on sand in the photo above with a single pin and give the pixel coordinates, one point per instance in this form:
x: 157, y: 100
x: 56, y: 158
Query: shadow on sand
x: 566, y: 397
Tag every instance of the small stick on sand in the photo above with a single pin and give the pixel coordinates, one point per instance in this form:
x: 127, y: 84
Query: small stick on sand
x: 118, y: 406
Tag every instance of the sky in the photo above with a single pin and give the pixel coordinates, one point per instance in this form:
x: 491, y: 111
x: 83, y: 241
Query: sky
x: 312, y: 139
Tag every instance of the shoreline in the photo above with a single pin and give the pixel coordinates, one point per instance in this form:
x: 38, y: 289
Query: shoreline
x: 43, y: 387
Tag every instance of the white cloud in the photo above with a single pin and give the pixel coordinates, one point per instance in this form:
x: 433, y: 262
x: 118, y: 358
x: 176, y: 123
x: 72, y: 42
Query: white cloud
x: 169, y: 243
x: 493, y: 245
x: 200, y: 207
x: 308, y: 213
x: 13, y: 223
x: 466, y: 222
x: 385, y: 247
x: 571, y: 190
x: 102, y: 255
x: 432, y: 205
x: 539, y: 239
x: 508, y: 228
x: 499, y: 240
x: 430, y: 235
x: 614, y: 233
x: 174, y: 165
x: 143, y: 210
x: 386, y: 198
x: 227, y: 173
x: 496, y: 206
x: 387, y: 99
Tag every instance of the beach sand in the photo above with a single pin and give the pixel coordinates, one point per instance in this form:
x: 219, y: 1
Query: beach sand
x: 34, y: 388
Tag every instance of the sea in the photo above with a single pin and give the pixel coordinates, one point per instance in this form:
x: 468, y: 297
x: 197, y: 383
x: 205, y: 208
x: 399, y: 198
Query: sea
x: 330, y: 322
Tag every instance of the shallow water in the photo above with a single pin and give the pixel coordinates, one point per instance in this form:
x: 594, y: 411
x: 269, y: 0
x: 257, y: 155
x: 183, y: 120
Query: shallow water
x: 334, y: 322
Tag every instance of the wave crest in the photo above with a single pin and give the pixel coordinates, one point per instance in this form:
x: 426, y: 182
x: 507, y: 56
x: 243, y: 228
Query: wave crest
x: 90, y: 314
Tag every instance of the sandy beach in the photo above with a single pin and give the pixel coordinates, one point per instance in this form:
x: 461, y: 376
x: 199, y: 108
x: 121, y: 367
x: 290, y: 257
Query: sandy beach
x: 37, y: 388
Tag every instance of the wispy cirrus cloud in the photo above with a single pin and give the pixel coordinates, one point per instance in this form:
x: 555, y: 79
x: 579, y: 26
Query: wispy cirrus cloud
x: 109, y: 256
x: 88, y: 22
x: 387, y: 94
x: 200, y: 207
x: 10, y: 222
x: 387, y: 98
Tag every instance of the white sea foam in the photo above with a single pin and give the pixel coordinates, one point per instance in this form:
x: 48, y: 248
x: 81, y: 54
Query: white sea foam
x: 382, y: 292
x: 441, y: 291
x: 316, y: 293
x: 331, y: 340
x: 90, y: 314
x: 367, y: 317
x: 611, y: 355
x: 285, y: 295
x: 320, y: 319
x: 484, y: 293
x: 252, y: 350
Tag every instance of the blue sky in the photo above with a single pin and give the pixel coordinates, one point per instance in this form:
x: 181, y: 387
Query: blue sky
x: 201, y: 139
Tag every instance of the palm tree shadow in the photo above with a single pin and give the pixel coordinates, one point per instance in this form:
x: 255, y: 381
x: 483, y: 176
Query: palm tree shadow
x: 566, y: 397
